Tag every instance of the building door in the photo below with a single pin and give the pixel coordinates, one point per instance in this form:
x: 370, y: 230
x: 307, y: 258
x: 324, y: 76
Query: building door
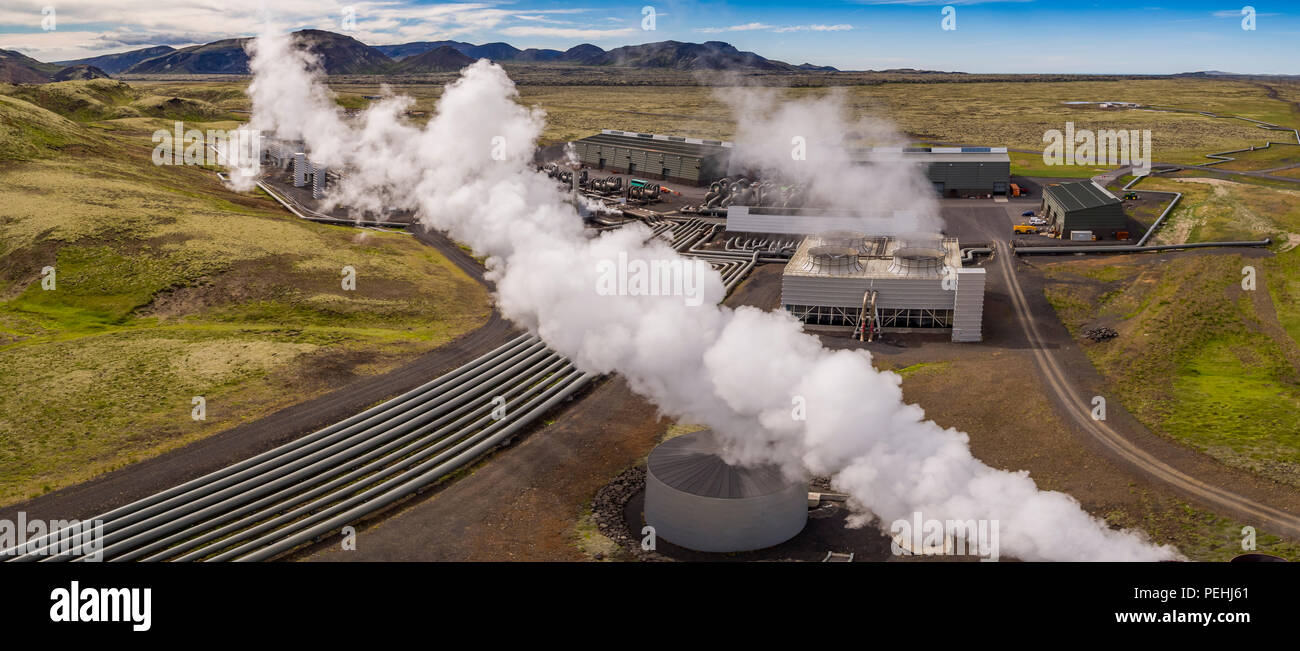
x: 999, y: 187
x: 938, y: 187
x: 631, y: 167
x: 600, y: 165
x: 666, y: 170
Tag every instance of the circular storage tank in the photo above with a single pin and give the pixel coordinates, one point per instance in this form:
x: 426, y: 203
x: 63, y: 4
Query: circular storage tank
x: 696, y: 500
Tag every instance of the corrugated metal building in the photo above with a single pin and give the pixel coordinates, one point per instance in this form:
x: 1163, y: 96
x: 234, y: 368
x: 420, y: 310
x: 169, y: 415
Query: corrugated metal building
x: 916, y: 283
x: 954, y: 171
x: 670, y: 158
x: 1083, y: 206
x: 804, y: 221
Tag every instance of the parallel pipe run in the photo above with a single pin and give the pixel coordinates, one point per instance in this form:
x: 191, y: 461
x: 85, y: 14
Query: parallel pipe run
x: 280, y: 494
x: 303, y: 212
x: 304, y: 467
x: 414, y: 442
x: 555, y: 395
x: 1049, y: 250
x: 142, y: 508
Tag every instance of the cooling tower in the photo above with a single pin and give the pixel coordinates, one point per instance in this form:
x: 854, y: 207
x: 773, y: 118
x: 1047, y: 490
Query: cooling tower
x: 318, y: 176
x: 299, y: 170
x: 696, y: 500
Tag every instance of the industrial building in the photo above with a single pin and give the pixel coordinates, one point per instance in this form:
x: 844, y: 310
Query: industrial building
x: 805, y: 221
x: 872, y: 284
x: 1082, y: 206
x: 695, y: 499
x: 668, y: 158
x: 954, y: 171
x: 289, y: 155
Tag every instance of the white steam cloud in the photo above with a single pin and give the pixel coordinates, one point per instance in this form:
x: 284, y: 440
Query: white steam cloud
x: 469, y: 172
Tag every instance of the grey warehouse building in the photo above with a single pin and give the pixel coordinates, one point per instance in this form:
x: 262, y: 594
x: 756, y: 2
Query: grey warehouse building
x: 668, y: 158
x: 1083, y: 206
x: 954, y: 171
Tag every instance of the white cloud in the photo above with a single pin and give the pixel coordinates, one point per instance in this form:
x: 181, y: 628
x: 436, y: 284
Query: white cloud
x: 568, y: 32
x: 747, y: 27
x: 141, y: 23
x: 814, y: 28
x: 1236, y: 13
x: 750, y: 27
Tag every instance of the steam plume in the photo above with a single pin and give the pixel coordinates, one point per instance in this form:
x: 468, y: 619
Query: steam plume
x: 469, y: 173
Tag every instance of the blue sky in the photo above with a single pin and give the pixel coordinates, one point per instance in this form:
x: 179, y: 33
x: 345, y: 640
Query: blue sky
x: 1012, y: 36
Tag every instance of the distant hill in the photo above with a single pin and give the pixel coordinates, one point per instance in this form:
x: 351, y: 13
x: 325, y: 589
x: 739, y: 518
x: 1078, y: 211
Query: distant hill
x: 80, y: 71
x: 115, y: 63
x: 713, y: 55
x: 493, y: 51
x: 440, y: 59
x: 339, y: 55
x: 586, y: 54
x: 400, y: 52
x: 344, y: 55
x: 17, y: 68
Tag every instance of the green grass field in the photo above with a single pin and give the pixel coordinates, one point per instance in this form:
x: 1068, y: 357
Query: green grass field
x: 1200, y: 358
x: 169, y: 286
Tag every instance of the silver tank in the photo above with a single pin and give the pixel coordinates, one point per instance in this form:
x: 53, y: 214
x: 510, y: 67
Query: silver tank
x: 696, y: 500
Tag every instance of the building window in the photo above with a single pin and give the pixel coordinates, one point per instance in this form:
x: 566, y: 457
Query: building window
x: 886, y: 317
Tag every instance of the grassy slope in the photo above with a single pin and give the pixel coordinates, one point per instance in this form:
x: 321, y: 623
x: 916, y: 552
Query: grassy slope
x: 1199, y: 359
x: 170, y: 286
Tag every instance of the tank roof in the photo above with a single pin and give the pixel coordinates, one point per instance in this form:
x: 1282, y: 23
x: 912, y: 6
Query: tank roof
x: 690, y: 463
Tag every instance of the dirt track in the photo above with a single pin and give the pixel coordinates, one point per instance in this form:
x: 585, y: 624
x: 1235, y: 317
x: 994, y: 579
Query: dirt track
x: 1152, y: 457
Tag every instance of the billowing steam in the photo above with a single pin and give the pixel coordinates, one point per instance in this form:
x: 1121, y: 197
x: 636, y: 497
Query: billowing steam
x: 469, y: 172
x: 807, y: 140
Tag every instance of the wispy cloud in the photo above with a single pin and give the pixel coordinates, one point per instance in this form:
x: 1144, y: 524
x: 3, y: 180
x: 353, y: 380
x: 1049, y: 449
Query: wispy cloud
x: 747, y: 27
x: 753, y: 27
x: 568, y: 32
x: 815, y: 28
x: 1236, y: 13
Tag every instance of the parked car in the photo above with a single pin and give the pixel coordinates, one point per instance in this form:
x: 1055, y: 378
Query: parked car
x: 1027, y: 213
x: 1037, y: 221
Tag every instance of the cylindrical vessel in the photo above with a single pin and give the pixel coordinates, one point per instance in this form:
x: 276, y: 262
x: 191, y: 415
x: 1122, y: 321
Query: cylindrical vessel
x: 696, y: 500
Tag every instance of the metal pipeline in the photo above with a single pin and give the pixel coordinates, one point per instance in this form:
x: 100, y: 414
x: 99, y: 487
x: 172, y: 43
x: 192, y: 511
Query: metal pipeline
x: 1049, y: 250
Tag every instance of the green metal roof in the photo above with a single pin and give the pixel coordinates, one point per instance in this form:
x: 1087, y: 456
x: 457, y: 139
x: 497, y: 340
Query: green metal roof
x: 1081, y: 195
x: 672, y: 147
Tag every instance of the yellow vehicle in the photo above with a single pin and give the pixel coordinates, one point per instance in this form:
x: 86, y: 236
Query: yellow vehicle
x: 1021, y: 229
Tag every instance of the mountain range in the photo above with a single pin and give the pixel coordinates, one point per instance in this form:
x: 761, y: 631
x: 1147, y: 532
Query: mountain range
x: 115, y: 63
x: 343, y: 55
